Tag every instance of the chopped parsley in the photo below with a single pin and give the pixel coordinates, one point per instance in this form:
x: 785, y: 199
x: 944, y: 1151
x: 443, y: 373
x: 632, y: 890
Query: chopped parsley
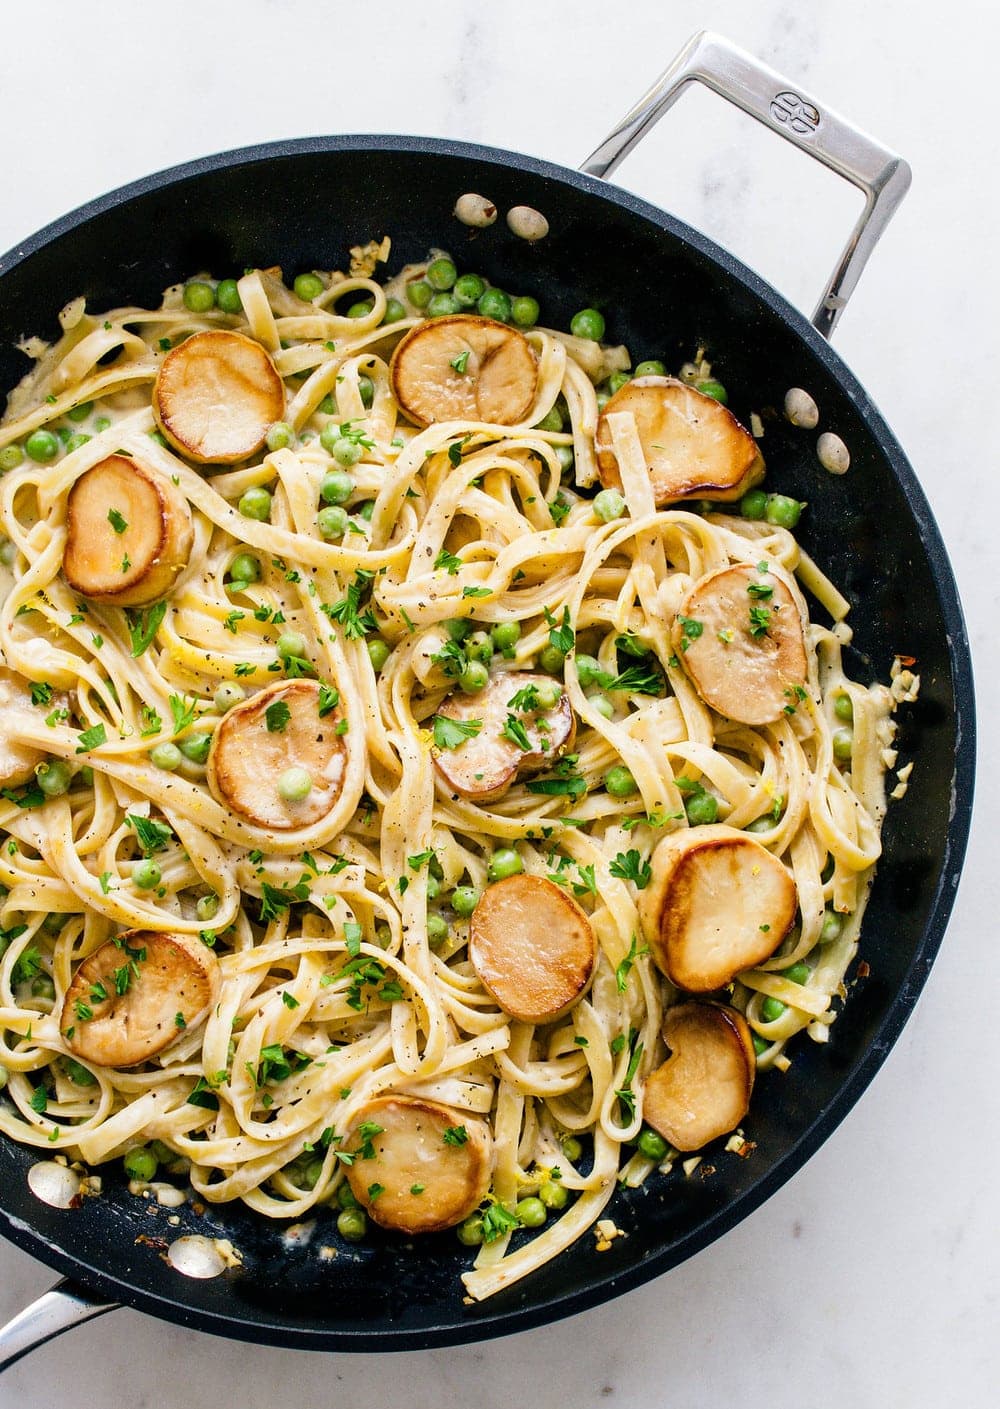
x: 498, y: 1222
x: 357, y: 623
x: 143, y: 626
x: 449, y: 561
x: 515, y: 731
x: 450, y: 733
x: 690, y: 630
x: 41, y: 693
x: 625, y: 967
x: 150, y: 721
x: 629, y: 866
x: 117, y: 521
x: 329, y: 699
x: 276, y: 716
x: 760, y: 620
x: 460, y: 363
x: 561, y: 635
x: 455, y: 1135
x: 182, y: 712
x: 151, y: 836
x: 477, y: 592
x: 92, y: 738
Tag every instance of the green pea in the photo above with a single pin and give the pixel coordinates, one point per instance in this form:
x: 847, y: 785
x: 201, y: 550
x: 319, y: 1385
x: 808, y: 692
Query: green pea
x: 474, y: 677
x: 771, y: 1009
x: 798, y: 973
x: 553, y: 1194
x: 833, y: 926
x: 617, y: 380
x: 198, y: 296
x: 843, y: 745
x: 10, y: 457
x: 279, y: 436
x: 602, y: 704
x: 761, y: 824
x: 551, y: 421
x: 295, y: 784
x: 588, y: 668
x: 549, y: 694
x: 458, y: 628
x: 760, y: 1044
x: 651, y: 1144
x: 571, y: 1148
x: 702, y: 809
x: 346, y: 452
x: 81, y: 411
x: 504, y: 862
x: 620, y: 782
x: 78, y: 1073
x: 146, y: 874
x: 332, y: 521
x: 244, y: 568
x: 419, y: 293
x: 468, y: 290
x: 327, y: 406
x: 650, y: 368
x: 53, y: 777
x: 505, y: 635
x: 531, y: 1212
x: 310, y: 1174
x: 308, y: 286
x: 603, y: 397
x: 366, y: 390
x: 52, y: 924
x: 8, y: 552
x: 609, y: 505
x: 75, y: 441
x: 42, y: 446
x: 383, y: 936
x: 394, y: 311
x: 782, y: 511
x: 378, y: 652
x: 552, y: 659
x: 166, y: 756
x: 85, y: 776
x: 437, y: 930
x: 227, y: 695
x: 227, y: 296
x: 464, y: 900
x: 337, y: 487
x: 361, y: 309
x: 366, y: 510
x: 441, y: 274
x: 753, y: 505
x: 480, y: 647
x: 196, y: 747
x: 433, y: 886
x: 352, y: 1225
x: 843, y: 707
x: 710, y: 387
x: 256, y: 504
x: 495, y: 304
x: 291, y: 643
x: 565, y: 456
x: 102, y: 424
x: 524, y: 311
x: 470, y: 1230
x: 588, y: 323
x: 207, y: 906
x: 345, y: 1196
x: 442, y: 306
x: 141, y: 1163
x: 42, y: 987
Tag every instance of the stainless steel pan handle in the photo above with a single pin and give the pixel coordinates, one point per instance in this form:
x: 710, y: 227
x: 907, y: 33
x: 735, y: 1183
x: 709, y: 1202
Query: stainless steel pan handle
x: 782, y: 106
x: 58, y: 1310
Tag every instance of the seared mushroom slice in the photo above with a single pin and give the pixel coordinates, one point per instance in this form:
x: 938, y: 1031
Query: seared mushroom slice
x: 718, y: 903
x: 703, y: 1088
x: 464, y: 368
x: 418, y: 1166
x: 215, y: 397
x: 17, y: 760
x: 741, y: 639
x: 136, y: 994
x: 263, y: 743
x: 694, y: 447
x: 484, y: 766
x: 128, y: 534
x: 532, y: 947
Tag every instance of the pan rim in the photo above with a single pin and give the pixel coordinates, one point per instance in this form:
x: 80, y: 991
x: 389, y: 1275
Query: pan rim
x: 486, y: 1323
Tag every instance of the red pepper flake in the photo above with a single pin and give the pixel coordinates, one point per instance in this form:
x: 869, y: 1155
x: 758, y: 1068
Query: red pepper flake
x: 863, y: 969
x: 907, y: 660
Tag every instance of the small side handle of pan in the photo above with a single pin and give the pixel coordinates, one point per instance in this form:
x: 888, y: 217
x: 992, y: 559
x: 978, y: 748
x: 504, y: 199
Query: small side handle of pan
x: 782, y: 106
x: 56, y: 1311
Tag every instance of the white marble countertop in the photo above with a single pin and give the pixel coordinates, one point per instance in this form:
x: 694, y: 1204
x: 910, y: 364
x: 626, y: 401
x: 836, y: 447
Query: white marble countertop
x: 871, y: 1278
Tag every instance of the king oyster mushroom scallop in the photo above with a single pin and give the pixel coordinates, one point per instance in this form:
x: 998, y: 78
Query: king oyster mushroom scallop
x: 215, y: 397
x: 483, y: 766
x: 464, y: 368
x: 277, y: 759
x: 128, y: 533
x: 18, y: 760
x: 703, y: 1088
x: 693, y: 446
x: 135, y: 994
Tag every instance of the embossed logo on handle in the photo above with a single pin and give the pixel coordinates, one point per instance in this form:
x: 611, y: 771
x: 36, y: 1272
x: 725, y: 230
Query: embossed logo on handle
x: 795, y: 112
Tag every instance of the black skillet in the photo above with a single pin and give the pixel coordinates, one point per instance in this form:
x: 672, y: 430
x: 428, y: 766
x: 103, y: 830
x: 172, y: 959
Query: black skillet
x: 664, y: 288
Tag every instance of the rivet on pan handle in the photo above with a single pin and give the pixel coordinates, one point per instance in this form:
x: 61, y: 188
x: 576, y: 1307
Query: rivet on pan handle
x: 58, y: 1310
x: 782, y: 106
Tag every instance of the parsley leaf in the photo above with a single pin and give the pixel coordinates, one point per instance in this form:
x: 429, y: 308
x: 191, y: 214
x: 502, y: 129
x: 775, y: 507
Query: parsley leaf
x: 515, y: 731
x: 182, y: 711
x: 150, y: 721
x: 276, y: 716
x: 274, y: 899
x: 117, y: 521
x: 690, y: 630
x: 449, y: 561
x: 455, y: 1135
x: 92, y: 738
x: 561, y: 635
x: 151, y: 836
x: 760, y: 620
x: 460, y: 363
x: 625, y: 967
x: 497, y: 1222
x: 477, y: 592
x: 329, y: 699
x: 143, y: 626
x: 41, y: 693
x: 629, y: 866
x: 450, y: 733
x: 356, y: 623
